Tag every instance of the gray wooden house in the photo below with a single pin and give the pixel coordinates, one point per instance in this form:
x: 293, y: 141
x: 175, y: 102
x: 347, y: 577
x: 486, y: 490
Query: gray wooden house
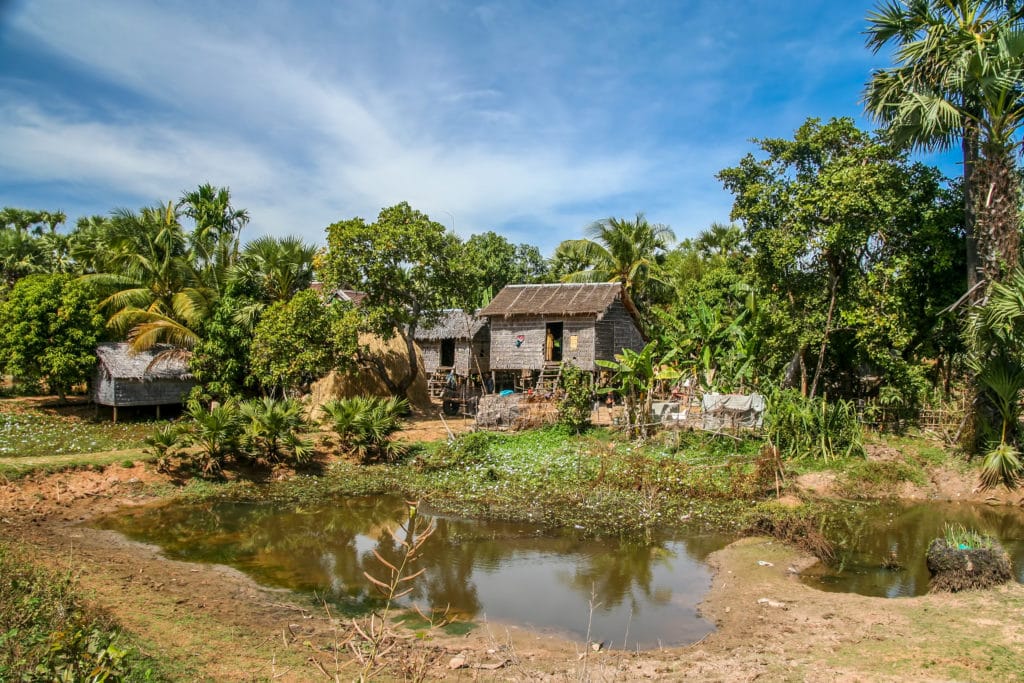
x: 536, y: 326
x: 457, y: 341
x: 148, y: 378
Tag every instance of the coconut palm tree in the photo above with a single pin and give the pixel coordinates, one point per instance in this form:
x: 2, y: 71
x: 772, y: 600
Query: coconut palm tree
x: 958, y: 75
x: 156, y: 293
x: 214, y: 241
x: 620, y: 250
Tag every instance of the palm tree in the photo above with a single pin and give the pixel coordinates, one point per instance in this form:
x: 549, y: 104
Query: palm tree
x: 958, y: 74
x: 277, y: 267
x: 157, y: 295
x: 630, y: 252
x: 720, y: 242
x: 215, y: 239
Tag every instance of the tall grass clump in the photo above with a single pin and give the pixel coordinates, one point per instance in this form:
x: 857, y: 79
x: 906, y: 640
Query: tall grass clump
x: 803, y: 428
x: 365, y: 426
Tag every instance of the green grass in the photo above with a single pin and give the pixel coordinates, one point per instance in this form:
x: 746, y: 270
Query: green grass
x: 15, y: 468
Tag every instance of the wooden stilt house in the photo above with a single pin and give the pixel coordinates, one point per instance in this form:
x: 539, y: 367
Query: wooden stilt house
x: 147, y: 378
x: 536, y: 328
x: 457, y: 341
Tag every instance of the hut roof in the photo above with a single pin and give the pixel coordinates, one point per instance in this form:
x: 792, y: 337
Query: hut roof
x: 353, y: 295
x: 120, y: 362
x: 454, y: 323
x: 566, y: 299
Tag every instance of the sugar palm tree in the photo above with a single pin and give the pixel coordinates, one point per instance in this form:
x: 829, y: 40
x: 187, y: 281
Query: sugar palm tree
x: 277, y: 267
x: 959, y: 66
x: 620, y: 250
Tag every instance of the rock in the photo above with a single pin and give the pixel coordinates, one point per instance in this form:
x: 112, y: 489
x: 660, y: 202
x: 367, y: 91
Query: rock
x: 762, y: 563
x: 771, y: 603
x: 457, y: 662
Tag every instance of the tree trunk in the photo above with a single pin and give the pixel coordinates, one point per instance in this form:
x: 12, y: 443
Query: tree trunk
x: 824, y: 338
x: 969, y: 145
x: 997, y: 219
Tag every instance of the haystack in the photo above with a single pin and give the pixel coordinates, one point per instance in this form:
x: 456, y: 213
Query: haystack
x: 959, y: 569
x: 365, y: 382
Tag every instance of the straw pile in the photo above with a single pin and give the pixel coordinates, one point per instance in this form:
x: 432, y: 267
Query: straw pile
x: 365, y: 382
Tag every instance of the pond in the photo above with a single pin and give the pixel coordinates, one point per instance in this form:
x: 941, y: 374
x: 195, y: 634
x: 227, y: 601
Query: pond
x: 881, y: 547
x: 632, y: 595
x: 626, y: 594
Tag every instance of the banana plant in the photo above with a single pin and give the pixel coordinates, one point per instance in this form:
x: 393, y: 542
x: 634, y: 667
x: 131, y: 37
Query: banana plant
x: 635, y: 374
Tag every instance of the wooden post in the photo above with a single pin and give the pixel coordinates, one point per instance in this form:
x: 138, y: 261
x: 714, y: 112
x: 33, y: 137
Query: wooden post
x: 158, y: 411
x: 115, y: 413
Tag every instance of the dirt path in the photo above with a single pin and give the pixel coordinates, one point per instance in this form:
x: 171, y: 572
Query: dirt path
x: 214, y: 623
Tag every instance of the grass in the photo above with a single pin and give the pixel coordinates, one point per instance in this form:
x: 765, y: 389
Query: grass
x: 34, y: 433
x: 15, y: 468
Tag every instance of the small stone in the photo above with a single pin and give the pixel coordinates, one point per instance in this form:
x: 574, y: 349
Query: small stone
x: 457, y: 662
x: 762, y: 563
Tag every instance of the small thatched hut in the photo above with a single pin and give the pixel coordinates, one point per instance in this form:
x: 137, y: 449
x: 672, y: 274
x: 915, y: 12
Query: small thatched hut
x: 147, y: 378
x: 533, y: 326
x: 458, y: 341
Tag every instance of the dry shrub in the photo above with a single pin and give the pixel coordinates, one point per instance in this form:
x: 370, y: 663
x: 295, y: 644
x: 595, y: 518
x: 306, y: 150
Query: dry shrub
x: 954, y: 569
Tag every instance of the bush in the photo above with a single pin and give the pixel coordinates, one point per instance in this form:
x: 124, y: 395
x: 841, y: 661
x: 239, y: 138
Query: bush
x: 215, y: 433
x: 576, y: 404
x: 50, y: 635
x: 365, y: 425
x: 801, y: 427
x: 273, y: 430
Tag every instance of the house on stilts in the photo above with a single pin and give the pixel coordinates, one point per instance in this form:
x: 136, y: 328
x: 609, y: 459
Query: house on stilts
x: 534, y: 329
x: 457, y: 344
x: 124, y: 378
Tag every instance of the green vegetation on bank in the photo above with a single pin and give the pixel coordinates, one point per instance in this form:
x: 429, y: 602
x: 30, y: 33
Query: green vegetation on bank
x: 49, y: 633
x: 31, y: 433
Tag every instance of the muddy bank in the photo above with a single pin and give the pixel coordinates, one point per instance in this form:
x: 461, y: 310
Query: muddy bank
x: 213, y: 622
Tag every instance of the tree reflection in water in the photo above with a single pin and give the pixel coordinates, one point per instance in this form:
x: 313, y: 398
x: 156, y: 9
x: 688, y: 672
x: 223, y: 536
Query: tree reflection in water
x: 544, y: 578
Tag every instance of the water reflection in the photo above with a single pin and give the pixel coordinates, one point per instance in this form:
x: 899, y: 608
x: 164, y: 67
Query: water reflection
x: 869, y: 537
x: 504, y: 572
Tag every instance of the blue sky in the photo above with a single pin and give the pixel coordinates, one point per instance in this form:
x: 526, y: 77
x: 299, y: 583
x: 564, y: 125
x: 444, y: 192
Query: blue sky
x: 528, y: 118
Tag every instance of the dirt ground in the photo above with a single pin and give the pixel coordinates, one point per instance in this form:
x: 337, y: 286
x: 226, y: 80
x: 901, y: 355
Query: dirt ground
x: 214, y: 623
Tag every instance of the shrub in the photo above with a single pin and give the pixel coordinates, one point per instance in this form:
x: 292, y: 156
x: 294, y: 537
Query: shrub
x: 365, y: 425
x: 575, y: 406
x: 163, y: 443
x: 215, y: 433
x: 813, y: 428
x: 273, y: 431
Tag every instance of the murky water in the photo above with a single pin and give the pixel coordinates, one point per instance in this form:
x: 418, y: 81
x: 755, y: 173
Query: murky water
x: 869, y: 537
x: 631, y: 594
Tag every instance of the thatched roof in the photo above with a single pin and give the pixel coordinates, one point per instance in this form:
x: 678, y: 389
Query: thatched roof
x: 566, y: 299
x: 454, y: 323
x: 120, y: 362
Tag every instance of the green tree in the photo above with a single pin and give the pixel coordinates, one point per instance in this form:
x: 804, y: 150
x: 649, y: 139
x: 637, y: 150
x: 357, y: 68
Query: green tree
x: 276, y: 268
x: 958, y: 74
x: 409, y: 267
x: 300, y: 340
x: 214, y: 240
x: 156, y: 294
x: 220, y: 359
x: 49, y: 329
x: 490, y: 262
x: 830, y: 217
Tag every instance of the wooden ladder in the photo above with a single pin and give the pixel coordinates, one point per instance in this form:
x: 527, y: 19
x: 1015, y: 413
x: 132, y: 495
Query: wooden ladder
x: 549, y: 379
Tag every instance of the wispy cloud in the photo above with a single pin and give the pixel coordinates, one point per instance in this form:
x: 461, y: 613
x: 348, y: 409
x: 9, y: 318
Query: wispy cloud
x: 530, y: 119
